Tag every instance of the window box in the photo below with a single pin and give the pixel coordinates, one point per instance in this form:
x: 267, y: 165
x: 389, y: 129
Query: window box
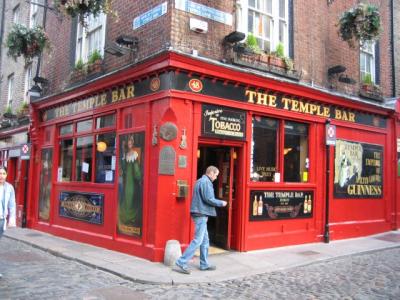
x: 371, y: 91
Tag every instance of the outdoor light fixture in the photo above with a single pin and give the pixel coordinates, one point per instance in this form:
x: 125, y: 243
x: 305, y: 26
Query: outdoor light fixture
x: 336, y: 70
x: 35, y: 91
x: 122, y: 45
x: 346, y: 79
x: 234, y: 37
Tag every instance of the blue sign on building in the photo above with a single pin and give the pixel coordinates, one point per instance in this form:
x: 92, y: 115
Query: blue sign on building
x: 150, y: 15
x: 204, y: 11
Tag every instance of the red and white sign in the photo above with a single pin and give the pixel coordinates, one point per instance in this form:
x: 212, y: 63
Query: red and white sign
x: 330, y: 135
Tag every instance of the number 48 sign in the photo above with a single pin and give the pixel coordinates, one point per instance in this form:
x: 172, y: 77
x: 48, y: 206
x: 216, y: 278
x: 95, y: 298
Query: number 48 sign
x: 330, y: 135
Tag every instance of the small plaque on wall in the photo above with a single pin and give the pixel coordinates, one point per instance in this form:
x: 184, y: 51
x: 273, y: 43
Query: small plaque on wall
x: 166, y: 162
x: 182, y: 161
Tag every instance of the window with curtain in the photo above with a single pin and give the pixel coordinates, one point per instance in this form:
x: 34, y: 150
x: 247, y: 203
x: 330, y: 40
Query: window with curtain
x: 90, y: 38
x: 10, y: 90
x: 268, y: 21
x: 367, y: 62
x: 34, y: 15
x: 16, y: 14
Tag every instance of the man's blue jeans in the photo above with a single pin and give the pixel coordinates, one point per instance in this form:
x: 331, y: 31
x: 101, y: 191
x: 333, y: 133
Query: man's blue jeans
x: 200, y: 240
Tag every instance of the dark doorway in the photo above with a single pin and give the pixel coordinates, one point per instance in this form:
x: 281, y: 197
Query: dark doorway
x: 224, y: 158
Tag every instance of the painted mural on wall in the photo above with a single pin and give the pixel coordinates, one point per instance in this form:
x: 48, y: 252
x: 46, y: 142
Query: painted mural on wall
x: 45, y: 184
x: 130, y: 188
x: 87, y: 207
x: 358, y: 170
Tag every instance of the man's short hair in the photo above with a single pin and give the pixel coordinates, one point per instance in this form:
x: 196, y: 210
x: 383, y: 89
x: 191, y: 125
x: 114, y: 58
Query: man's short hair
x: 3, y: 168
x: 212, y: 169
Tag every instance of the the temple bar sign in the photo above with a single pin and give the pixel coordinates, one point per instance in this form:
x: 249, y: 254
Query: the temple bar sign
x: 223, y: 122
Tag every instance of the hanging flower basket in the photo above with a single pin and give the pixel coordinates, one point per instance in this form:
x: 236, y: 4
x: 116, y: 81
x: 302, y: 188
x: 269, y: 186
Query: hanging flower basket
x: 83, y: 8
x: 28, y: 42
x: 361, y: 23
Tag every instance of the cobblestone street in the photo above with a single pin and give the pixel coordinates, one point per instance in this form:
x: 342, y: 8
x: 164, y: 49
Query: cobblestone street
x: 30, y: 273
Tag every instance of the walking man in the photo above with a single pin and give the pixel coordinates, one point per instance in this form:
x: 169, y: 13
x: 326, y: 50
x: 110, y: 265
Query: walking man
x: 203, y: 206
x: 7, y: 202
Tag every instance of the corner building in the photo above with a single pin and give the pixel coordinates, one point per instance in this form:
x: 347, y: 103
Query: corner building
x: 116, y: 153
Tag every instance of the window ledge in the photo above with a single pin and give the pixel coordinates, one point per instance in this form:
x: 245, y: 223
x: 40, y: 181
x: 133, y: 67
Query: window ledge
x: 262, y: 63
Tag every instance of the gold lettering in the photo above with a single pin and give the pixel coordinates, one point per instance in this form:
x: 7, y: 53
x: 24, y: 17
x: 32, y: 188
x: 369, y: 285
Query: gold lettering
x: 327, y: 112
x: 304, y: 107
x: 286, y: 102
x: 352, y: 117
x: 262, y: 98
x: 130, y: 91
x: 114, y: 96
x: 250, y: 95
x: 121, y: 95
x: 295, y: 105
x: 272, y: 100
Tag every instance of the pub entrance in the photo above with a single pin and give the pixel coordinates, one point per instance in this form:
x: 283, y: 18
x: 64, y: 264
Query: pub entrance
x: 225, y: 159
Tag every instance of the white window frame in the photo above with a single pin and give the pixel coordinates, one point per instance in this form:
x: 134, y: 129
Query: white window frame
x: 10, y: 90
x: 94, y: 24
x: 366, y: 54
x: 33, y: 14
x: 16, y: 14
x: 28, y: 82
x: 242, y: 22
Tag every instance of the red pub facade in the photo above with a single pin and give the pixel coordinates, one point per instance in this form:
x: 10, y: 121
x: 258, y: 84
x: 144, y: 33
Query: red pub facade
x: 114, y: 160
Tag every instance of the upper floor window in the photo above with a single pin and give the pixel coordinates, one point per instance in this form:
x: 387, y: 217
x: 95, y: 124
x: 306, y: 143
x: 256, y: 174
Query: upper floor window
x: 28, y: 82
x: 90, y: 38
x: 16, y: 14
x: 34, y: 15
x: 367, y: 62
x: 10, y: 91
x: 267, y: 20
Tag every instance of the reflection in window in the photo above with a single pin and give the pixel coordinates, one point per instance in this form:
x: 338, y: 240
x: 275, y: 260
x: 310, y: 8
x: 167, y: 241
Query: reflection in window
x: 105, y: 158
x: 66, y: 129
x: 264, y: 149
x: 84, y: 126
x: 84, y: 146
x: 105, y: 121
x: 296, y: 152
x: 65, y: 164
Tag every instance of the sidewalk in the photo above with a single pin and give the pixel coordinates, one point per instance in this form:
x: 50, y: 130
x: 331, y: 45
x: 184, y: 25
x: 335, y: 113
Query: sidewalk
x: 230, y: 265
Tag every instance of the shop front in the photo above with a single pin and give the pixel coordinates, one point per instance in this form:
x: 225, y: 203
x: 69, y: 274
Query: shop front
x: 116, y: 160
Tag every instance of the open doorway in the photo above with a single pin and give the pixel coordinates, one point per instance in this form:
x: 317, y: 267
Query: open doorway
x: 224, y: 158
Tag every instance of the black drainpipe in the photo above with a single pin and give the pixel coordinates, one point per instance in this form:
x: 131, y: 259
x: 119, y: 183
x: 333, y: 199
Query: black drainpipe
x: 326, y: 233
x: 392, y: 46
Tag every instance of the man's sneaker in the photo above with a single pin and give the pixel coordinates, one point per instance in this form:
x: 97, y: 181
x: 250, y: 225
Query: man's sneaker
x: 209, y: 268
x: 182, y: 269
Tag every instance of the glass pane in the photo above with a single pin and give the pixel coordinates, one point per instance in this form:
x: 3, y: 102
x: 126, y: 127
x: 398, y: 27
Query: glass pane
x: 66, y: 129
x: 282, y: 31
x: 84, y: 126
x: 252, y: 3
x: 296, y: 161
x: 250, y: 22
x: 105, y: 157
x: 269, y: 6
x: 282, y: 9
x: 105, y: 121
x: 45, y: 184
x: 65, y: 164
x: 362, y: 62
x: 83, y: 166
x: 264, y: 149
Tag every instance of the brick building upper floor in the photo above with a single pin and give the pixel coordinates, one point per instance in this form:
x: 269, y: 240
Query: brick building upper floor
x: 304, y: 34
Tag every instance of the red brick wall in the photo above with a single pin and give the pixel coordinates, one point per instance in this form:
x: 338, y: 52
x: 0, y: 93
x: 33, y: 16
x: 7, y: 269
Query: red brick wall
x: 317, y: 45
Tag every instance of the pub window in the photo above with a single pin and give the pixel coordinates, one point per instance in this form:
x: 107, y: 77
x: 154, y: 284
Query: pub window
x: 84, y: 147
x: 84, y: 126
x: 87, y: 154
x: 264, y: 149
x: 105, y: 121
x: 66, y: 157
x: 105, y: 157
x: 279, y: 156
x: 66, y: 129
x: 295, y: 152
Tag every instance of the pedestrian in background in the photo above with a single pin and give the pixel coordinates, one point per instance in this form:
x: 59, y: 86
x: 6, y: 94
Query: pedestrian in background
x: 7, y: 202
x: 203, y: 206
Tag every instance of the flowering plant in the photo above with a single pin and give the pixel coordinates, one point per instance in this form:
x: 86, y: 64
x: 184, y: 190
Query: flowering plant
x: 83, y: 8
x: 360, y: 23
x: 28, y: 42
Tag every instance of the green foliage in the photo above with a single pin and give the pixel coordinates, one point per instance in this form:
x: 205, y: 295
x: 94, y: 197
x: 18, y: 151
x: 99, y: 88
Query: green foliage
x: 8, y: 109
x: 252, y: 43
x: 28, y: 42
x: 280, y: 50
x: 79, y: 64
x: 367, y: 79
x: 94, y: 56
x: 361, y: 23
x: 83, y: 8
x: 288, y: 63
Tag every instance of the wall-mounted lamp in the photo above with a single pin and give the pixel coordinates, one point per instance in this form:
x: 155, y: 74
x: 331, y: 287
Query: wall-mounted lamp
x: 34, y: 92
x: 234, y: 37
x: 198, y: 153
x: 336, y: 70
x: 346, y: 79
x: 234, y: 155
x: 122, y: 45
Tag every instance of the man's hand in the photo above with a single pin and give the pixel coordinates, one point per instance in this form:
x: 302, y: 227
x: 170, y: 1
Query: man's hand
x: 224, y: 203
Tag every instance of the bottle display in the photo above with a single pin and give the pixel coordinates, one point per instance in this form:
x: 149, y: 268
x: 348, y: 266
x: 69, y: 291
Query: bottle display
x: 309, y: 204
x: 260, y: 207
x: 305, y: 205
x: 255, y: 206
